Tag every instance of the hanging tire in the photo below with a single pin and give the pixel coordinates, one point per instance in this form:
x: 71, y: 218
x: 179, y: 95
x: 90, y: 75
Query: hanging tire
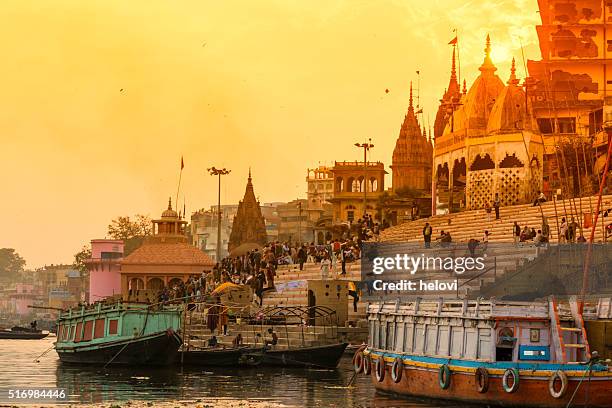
x: 514, y: 374
x: 561, y: 376
x: 397, y: 369
x: 444, y: 377
x: 482, y: 380
x: 367, y: 364
x: 358, y: 359
x: 380, y: 368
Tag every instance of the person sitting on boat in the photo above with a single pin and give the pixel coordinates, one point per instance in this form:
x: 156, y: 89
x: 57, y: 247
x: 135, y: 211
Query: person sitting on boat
x: 212, y: 342
x: 237, y: 342
x: 274, y: 340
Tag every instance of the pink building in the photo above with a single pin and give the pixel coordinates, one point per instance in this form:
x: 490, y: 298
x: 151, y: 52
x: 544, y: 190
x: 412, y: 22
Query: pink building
x: 23, y: 296
x: 104, y: 268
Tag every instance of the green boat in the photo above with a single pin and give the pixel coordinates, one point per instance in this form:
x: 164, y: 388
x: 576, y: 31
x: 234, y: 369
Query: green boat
x: 119, y: 334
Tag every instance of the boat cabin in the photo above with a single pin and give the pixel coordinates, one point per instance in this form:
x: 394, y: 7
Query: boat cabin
x: 101, y: 323
x: 480, y: 330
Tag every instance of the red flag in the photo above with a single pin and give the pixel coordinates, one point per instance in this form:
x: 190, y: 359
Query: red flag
x: 453, y: 41
x: 182, y: 164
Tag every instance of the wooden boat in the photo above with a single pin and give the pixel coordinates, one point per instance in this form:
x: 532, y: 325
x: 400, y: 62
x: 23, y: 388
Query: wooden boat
x: 22, y: 333
x: 326, y: 356
x: 498, y: 353
x: 225, y: 357
x: 119, y: 334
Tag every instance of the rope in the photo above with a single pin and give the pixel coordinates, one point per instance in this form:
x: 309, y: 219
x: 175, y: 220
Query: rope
x: 588, y: 370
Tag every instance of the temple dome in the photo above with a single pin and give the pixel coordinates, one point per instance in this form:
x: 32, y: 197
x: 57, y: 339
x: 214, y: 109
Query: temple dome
x: 170, y: 213
x: 478, y: 102
x: 509, y: 113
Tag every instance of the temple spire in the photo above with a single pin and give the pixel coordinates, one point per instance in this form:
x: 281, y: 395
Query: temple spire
x: 249, y: 174
x: 169, y: 203
x: 453, y: 77
x: 410, y: 107
x: 464, y: 87
x: 487, y: 64
x: 513, y: 80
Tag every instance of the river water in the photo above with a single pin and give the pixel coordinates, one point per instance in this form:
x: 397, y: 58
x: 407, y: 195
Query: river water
x: 215, y: 387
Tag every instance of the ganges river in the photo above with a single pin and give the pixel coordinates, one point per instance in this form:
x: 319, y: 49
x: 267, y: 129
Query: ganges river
x: 175, y: 387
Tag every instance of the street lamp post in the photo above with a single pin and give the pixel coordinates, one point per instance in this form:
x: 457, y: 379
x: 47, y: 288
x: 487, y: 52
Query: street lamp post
x: 299, y: 222
x: 213, y: 171
x: 365, y: 146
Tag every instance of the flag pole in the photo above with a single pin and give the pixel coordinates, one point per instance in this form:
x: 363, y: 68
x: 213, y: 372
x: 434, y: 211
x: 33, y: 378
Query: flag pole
x: 179, y: 183
x: 458, y: 57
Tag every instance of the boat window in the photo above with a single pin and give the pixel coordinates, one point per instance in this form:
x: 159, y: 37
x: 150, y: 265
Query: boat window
x: 60, y: 332
x: 65, y: 333
x: 78, y: 332
x: 112, y: 326
x: 504, y: 349
x: 88, y: 330
x: 456, y: 341
x: 420, y: 338
x: 431, y: 336
x: 443, y: 341
x: 99, y: 329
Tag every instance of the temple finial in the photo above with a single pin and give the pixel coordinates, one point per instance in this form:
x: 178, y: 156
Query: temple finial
x: 487, y: 64
x: 169, y: 203
x: 464, y: 87
x: 513, y: 80
x: 249, y: 173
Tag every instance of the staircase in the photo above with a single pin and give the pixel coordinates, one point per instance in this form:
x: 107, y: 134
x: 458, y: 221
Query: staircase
x: 471, y: 224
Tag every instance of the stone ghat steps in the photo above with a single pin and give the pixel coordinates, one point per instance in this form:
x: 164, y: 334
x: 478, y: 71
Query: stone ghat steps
x: 471, y: 224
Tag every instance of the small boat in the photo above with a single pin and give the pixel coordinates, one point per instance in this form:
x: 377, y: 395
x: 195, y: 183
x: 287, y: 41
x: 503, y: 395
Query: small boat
x: 224, y: 357
x: 119, y: 334
x: 23, y: 333
x: 326, y: 356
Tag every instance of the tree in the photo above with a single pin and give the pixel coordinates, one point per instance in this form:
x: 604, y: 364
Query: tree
x: 131, y: 231
x: 80, y: 258
x: 11, y: 264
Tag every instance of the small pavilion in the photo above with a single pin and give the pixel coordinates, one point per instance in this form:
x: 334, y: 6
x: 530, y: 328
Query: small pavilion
x: 165, y: 258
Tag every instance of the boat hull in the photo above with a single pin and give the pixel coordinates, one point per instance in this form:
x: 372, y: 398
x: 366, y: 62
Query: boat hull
x: 155, y: 349
x: 219, y: 357
x: 327, y: 356
x: 22, y: 335
x: 423, y: 382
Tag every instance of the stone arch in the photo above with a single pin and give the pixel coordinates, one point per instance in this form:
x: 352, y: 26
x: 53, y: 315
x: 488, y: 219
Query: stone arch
x: 373, y: 184
x: 350, y: 184
x: 136, y: 284
x: 360, y: 184
x: 442, y: 174
x: 459, y: 172
x: 510, y: 162
x: 482, y: 163
x: 174, y: 281
x: 155, y: 284
x: 339, y: 184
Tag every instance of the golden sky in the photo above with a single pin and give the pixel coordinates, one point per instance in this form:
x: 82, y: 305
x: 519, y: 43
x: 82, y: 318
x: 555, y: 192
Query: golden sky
x: 100, y: 98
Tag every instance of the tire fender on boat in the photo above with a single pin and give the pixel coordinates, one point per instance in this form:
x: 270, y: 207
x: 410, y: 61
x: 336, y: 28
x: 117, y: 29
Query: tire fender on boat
x: 511, y: 372
x: 396, y: 370
x: 551, y: 384
x: 367, y: 364
x: 482, y: 380
x: 444, y: 376
x: 380, y: 368
x: 358, y: 360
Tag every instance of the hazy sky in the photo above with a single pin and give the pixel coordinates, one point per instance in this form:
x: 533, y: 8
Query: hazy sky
x: 100, y: 98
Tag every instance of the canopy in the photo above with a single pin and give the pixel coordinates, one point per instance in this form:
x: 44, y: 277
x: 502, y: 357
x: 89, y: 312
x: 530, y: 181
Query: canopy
x: 224, y: 287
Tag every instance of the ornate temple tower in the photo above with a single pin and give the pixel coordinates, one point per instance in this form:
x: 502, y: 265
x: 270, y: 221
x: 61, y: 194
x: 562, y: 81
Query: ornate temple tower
x: 412, y: 156
x: 249, y: 224
x: 450, y: 101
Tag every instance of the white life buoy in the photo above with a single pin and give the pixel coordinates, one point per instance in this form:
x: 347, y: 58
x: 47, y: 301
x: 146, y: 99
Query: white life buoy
x: 561, y: 376
x: 396, y: 370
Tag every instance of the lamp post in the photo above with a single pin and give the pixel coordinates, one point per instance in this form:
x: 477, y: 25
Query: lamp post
x: 213, y: 171
x: 365, y: 146
x: 299, y: 205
